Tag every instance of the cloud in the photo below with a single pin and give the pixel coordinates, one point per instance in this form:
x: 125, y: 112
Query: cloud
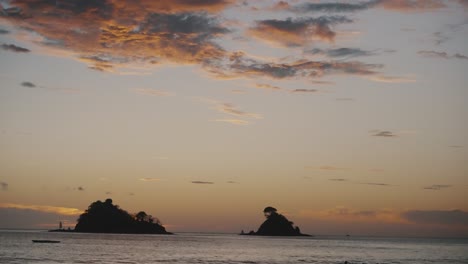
x: 338, y: 180
x: 392, y: 5
x: 442, y: 55
x: 126, y: 32
x: 331, y: 168
x: 233, y: 121
x: 411, y: 5
x: 437, y: 217
x: 230, y: 109
x: 152, y: 92
x: 149, y: 179
x: 376, y: 184
x: 384, y: 133
x: 4, y: 31
x: 32, y: 85
x: 28, y: 84
x: 344, y: 214
x: 341, y: 52
x: 267, y: 86
x: 43, y: 208
x: 4, y: 186
x: 437, y: 187
x: 14, y: 48
x: 333, y: 7
x: 240, y: 65
x: 80, y: 188
x: 232, y: 182
x: 13, y: 218
x: 304, y: 91
x: 392, y: 79
x: 202, y: 182
x: 297, y: 32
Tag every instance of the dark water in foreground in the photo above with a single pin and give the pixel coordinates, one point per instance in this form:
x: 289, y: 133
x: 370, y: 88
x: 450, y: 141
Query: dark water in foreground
x: 17, y: 247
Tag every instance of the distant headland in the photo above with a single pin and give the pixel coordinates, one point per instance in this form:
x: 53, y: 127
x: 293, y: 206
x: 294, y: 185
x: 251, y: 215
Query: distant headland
x: 105, y: 217
x: 276, y: 225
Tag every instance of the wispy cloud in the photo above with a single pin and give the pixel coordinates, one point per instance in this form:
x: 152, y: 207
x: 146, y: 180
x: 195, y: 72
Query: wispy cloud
x: 152, y: 92
x: 241, y: 65
x: 304, y: 91
x: 230, y: 109
x: 80, y: 188
x: 437, y: 187
x: 28, y: 84
x: 149, y: 179
x: 14, y: 48
x: 297, y: 32
x: 442, y: 55
x: 338, y: 180
x: 4, y: 31
x: 341, y: 52
x: 392, y: 5
x: 437, y: 217
x: 336, y: 7
x: 266, y: 86
x: 4, y: 186
x: 346, y: 214
x: 376, y: 184
x: 43, y: 208
x: 384, y: 133
x: 233, y: 121
x: 392, y: 79
x: 202, y: 182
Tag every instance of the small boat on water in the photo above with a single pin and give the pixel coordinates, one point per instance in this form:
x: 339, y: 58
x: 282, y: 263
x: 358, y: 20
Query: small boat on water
x: 45, y: 241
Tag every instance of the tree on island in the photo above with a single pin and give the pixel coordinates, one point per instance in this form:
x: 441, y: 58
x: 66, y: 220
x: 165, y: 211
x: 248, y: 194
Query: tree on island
x: 276, y: 225
x: 105, y: 217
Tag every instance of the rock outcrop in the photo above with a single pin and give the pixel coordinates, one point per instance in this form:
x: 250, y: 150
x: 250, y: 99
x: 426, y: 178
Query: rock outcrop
x: 104, y: 217
x: 276, y: 225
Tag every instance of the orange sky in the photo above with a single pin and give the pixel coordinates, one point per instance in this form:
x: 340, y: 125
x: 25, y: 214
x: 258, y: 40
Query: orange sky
x: 346, y: 116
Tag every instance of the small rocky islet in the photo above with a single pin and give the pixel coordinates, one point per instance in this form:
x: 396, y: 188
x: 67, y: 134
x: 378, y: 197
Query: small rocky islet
x: 275, y: 225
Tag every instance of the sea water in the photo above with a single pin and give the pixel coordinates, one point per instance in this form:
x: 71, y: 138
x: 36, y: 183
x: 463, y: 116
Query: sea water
x: 17, y: 247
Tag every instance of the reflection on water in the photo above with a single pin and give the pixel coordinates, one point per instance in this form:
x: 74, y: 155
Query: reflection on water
x: 17, y: 247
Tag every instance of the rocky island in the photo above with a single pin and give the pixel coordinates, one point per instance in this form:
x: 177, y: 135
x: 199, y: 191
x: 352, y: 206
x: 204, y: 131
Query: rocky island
x: 105, y: 217
x: 276, y: 225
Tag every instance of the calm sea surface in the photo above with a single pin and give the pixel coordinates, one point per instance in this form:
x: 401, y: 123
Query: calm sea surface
x: 17, y: 247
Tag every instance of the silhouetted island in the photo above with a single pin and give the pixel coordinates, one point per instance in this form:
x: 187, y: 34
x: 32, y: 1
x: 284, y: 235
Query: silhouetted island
x: 276, y: 225
x: 105, y: 217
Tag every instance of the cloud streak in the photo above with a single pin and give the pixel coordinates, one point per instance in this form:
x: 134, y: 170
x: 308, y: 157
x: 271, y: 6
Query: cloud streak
x: 392, y: 5
x: 14, y: 48
x: 437, y: 217
x: 297, y: 32
x: 44, y: 208
x: 202, y: 182
x: 4, y: 186
x: 437, y: 187
x: 149, y: 179
x: 384, y: 133
x: 442, y: 55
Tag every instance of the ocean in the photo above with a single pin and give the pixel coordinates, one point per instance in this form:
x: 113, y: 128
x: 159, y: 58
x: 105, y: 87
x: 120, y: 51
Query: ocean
x: 188, y: 248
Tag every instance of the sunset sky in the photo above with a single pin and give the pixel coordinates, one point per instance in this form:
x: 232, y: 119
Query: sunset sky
x: 349, y: 117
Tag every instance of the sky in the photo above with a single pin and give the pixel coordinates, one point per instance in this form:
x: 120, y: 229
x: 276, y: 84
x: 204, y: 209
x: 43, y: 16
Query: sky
x: 349, y: 117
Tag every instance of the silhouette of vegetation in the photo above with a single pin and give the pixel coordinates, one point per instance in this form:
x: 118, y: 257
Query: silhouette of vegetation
x: 105, y: 217
x: 276, y: 225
